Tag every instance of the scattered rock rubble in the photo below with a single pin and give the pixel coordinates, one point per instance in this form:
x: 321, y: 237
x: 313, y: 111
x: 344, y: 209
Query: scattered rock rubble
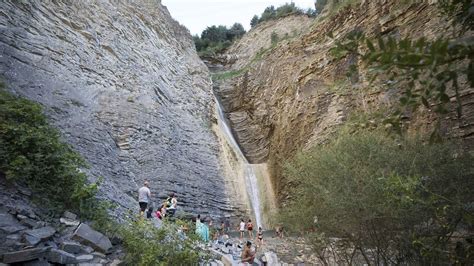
x: 28, y: 241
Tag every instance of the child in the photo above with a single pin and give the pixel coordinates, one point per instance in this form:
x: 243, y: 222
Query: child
x: 260, y: 235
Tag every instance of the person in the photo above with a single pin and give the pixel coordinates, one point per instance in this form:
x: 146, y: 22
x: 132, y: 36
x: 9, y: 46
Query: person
x: 279, y: 231
x: 222, y: 228
x: 161, y: 213
x: 250, y: 228
x: 227, y: 225
x: 260, y: 235
x: 149, y: 212
x: 172, y: 202
x: 202, y: 230
x: 144, y: 197
x: 242, y: 228
x: 247, y: 254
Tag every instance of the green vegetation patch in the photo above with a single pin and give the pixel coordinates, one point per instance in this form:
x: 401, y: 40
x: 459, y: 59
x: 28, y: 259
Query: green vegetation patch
x: 32, y: 152
x: 171, y: 244
x: 391, y: 200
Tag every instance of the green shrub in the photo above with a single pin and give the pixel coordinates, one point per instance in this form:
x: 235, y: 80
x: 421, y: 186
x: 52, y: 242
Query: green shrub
x: 392, y: 201
x: 32, y: 152
x: 274, y: 38
x: 168, y: 245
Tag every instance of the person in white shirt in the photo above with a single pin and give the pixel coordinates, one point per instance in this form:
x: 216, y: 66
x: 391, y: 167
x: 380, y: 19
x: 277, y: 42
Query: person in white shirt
x: 242, y: 228
x: 144, y: 197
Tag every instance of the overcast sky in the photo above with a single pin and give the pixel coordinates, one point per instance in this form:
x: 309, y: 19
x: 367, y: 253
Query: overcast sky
x: 196, y: 15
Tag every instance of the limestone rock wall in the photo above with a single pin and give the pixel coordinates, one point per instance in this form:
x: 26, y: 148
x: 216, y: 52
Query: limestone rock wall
x: 296, y: 94
x: 122, y: 81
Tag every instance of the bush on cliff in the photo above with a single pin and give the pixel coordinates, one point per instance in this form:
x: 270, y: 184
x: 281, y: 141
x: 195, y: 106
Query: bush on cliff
x: 32, y: 152
x: 389, y: 201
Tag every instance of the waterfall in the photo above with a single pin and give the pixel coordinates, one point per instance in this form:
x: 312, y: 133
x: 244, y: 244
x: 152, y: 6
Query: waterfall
x: 250, y: 176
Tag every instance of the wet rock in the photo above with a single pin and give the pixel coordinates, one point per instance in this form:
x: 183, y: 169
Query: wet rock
x: 41, y: 233
x: 24, y: 255
x: 72, y: 247
x: 61, y: 257
x: 86, y: 235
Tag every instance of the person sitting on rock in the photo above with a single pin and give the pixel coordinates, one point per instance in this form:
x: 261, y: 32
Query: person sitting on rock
x: 161, y: 213
x: 247, y: 254
x: 172, y: 204
x: 144, y: 197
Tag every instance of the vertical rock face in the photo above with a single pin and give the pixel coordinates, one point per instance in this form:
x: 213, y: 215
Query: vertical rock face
x: 122, y: 81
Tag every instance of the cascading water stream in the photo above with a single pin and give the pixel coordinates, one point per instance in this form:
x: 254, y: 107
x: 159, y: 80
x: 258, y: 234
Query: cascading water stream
x: 250, y: 176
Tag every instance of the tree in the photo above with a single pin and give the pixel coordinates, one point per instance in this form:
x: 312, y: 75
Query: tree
x: 319, y: 5
x: 236, y: 31
x: 254, y: 21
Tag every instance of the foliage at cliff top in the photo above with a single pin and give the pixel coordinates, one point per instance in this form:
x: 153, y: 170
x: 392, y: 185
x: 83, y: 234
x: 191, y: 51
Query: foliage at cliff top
x: 215, y: 39
x: 287, y: 9
x: 32, y: 152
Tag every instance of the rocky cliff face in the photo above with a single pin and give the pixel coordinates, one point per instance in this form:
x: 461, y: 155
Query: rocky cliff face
x: 295, y: 94
x: 122, y: 81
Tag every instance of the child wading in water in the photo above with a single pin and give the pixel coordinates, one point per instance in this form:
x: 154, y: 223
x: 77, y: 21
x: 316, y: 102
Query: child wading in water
x: 260, y: 236
x: 250, y: 228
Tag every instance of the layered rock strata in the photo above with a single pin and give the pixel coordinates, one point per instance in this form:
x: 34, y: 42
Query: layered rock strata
x: 122, y: 81
x: 294, y: 95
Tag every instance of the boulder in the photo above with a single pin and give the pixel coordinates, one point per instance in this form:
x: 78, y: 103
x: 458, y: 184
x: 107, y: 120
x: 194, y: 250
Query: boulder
x: 9, y: 224
x: 115, y: 262
x: 84, y: 258
x: 69, y: 215
x: 42, y: 233
x: 72, y: 247
x: 37, y: 263
x: 61, y: 257
x: 88, y: 236
x: 69, y: 222
x: 25, y: 255
x: 31, y: 240
x: 225, y: 250
x: 271, y: 258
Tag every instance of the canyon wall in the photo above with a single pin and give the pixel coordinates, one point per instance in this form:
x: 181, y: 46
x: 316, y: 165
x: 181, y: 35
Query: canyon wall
x: 293, y: 95
x: 123, y: 83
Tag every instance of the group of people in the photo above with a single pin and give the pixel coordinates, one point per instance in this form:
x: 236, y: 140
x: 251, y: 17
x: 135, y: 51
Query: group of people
x: 249, y: 227
x: 203, y: 229
x: 168, y: 208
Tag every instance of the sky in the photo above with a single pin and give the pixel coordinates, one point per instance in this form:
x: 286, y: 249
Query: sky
x: 196, y: 15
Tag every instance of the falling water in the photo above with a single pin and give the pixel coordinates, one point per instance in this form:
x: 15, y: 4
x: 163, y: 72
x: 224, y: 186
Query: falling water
x: 250, y: 177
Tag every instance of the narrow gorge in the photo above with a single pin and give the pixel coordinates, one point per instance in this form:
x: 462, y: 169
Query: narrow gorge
x: 237, y: 134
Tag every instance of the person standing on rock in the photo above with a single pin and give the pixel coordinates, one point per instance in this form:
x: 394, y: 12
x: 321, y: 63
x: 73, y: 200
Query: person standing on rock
x: 250, y: 228
x: 144, y: 197
x: 260, y: 236
x: 242, y: 228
